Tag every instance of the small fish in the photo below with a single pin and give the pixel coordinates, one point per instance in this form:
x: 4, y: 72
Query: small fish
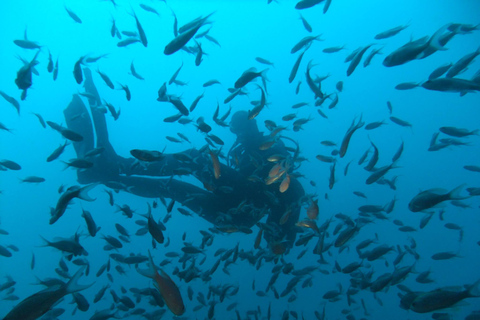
x: 27, y: 44
x: 134, y: 72
x: 33, y: 179
x: 306, y: 25
x: 183, y: 37
x: 11, y: 100
x: 125, y: 88
x: 106, y: 79
x: 264, y: 61
x: 216, y: 164
x: 149, y: 9
x: 407, y: 85
x: 127, y: 42
x: 390, y: 32
x: 458, y: 132
x: 9, y: 164
x: 400, y: 122
x: 77, y: 70
x: 346, y: 139
x: 73, y: 15
x: 141, y: 32
x: 57, y: 152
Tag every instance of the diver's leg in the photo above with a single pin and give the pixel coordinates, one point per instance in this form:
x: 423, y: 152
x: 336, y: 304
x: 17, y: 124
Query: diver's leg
x: 204, y: 203
x: 106, y: 165
x: 78, y: 119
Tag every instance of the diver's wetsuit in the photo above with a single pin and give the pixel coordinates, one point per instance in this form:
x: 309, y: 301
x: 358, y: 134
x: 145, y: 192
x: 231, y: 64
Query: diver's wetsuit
x: 233, y: 202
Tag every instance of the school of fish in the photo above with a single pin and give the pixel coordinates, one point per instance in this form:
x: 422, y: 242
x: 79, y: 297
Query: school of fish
x: 203, y: 278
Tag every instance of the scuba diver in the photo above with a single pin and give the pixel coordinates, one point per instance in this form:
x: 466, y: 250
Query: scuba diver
x: 235, y: 196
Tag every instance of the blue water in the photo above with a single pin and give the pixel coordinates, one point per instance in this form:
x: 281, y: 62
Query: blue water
x: 245, y: 30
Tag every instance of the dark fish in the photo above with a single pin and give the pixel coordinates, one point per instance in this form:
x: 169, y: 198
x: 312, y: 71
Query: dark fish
x: 423, y: 302
x: 40, y: 118
x: 306, y: 41
x: 348, y: 135
x: 462, y: 64
x: 248, y: 76
x: 36, y: 305
x: 305, y: 4
x: 127, y: 42
x: 407, y: 85
x: 415, y: 49
x: 73, y: 15
x: 211, y: 83
x: 9, y: 164
x: 397, y: 154
x: 125, y: 88
x: 33, y: 179
x: 400, y: 122
x: 177, y: 103
x: 107, y: 80
x: 356, y: 60
x: 264, y: 61
x: 295, y: 67
x: 390, y: 32
x: 134, y: 72
x: 379, y: 173
x: 149, y: 9
x: 333, y: 49
x: 200, y: 53
x: 91, y: 225
x: 182, y: 39
x: 57, y: 152
x: 12, y: 101
x: 372, y: 54
x: 141, y: 32
x: 27, y: 44
x: 374, y: 125
x: 147, y: 155
x: 67, y: 196
x: 55, y: 71
x: 306, y: 25
x: 24, y: 76
x: 212, y: 39
x: 311, y: 84
x: 430, y: 198
x: 71, y: 135
x: 95, y: 59
x: 472, y: 168
x: 4, y: 252
x: 175, y: 74
x: 451, y: 85
x: 440, y: 71
x: 77, y: 70
x: 458, y: 132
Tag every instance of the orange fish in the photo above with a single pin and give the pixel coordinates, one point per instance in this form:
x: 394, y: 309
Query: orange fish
x: 216, y: 164
x: 285, y: 184
x: 275, y: 170
x: 308, y: 224
x: 167, y: 288
x: 285, y: 216
x: 267, y: 145
x: 312, y: 210
x: 279, y: 248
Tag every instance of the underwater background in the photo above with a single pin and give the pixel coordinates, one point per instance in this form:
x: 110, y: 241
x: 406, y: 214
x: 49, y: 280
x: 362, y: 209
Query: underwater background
x: 244, y: 31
